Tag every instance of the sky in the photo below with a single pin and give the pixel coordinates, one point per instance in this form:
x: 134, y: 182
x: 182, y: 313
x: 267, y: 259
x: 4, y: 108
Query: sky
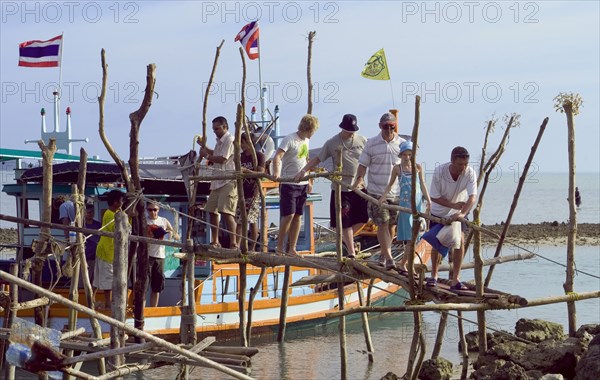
x: 469, y: 62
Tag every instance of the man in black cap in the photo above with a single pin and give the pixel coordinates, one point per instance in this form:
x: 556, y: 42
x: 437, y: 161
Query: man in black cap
x: 354, y: 208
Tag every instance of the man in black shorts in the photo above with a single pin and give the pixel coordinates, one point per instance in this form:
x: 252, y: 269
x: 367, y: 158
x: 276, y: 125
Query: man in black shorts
x: 290, y: 157
x: 354, y: 208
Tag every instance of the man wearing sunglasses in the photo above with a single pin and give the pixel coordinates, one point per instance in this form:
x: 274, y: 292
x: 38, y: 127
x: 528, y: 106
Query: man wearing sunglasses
x: 158, y: 227
x: 380, y: 155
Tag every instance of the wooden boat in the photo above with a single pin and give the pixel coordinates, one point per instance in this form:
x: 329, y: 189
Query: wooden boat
x: 216, y: 285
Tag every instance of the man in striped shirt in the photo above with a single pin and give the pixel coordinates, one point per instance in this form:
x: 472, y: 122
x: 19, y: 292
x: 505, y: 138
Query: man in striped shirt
x: 380, y: 155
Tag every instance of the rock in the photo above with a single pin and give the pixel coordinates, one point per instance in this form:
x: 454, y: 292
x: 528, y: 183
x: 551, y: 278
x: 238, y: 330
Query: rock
x: 436, y: 369
x: 492, y: 339
x: 588, y: 367
x: 500, y: 370
x: 553, y: 357
x: 390, y: 376
x: 592, y: 329
x: 535, y: 374
x: 552, y: 376
x: 507, y: 351
x: 537, y: 330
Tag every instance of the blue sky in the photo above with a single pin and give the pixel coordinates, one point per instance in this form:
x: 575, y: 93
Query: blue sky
x: 467, y: 60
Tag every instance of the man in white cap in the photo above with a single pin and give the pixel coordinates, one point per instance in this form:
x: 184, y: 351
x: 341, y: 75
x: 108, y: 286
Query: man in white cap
x: 354, y: 208
x: 380, y: 155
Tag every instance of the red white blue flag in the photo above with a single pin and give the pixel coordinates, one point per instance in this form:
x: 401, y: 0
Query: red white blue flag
x: 248, y: 37
x: 41, y: 53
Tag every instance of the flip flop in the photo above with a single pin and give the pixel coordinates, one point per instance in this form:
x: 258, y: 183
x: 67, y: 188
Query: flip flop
x: 431, y: 282
x: 403, y: 272
x: 459, y: 286
x: 391, y: 266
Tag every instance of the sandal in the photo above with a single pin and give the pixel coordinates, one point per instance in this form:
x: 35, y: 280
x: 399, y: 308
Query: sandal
x: 403, y: 272
x: 391, y: 266
x: 215, y: 245
x: 459, y: 286
x: 431, y: 282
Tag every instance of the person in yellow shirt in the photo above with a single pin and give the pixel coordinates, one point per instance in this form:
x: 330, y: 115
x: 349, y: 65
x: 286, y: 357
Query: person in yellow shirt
x: 105, y: 251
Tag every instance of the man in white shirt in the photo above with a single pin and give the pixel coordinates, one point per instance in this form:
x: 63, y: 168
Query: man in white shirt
x: 158, y: 227
x: 380, y: 155
x: 290, y: 158
x: 453, y: 193
x: 223, y: 198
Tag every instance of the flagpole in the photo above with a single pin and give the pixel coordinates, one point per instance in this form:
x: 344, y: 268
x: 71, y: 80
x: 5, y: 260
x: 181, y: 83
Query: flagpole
x: 60, y: 64
x: 262, y: 99
x: 392, y: 91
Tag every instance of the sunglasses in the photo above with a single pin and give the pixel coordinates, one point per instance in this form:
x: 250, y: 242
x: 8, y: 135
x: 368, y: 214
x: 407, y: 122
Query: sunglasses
x: 388, y: 126
x: 152, y: 209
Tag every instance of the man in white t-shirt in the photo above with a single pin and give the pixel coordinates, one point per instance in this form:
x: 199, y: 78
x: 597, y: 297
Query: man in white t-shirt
x: 158, y: 227
x: 290, y: 158
x: 453, y: 193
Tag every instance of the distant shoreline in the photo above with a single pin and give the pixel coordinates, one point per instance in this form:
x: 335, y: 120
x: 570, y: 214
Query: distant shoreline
x: 546, y: 233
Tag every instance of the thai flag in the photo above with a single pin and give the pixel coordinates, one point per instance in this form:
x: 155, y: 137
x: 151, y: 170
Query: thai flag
x: 41, y: 53
x: 248, y: 37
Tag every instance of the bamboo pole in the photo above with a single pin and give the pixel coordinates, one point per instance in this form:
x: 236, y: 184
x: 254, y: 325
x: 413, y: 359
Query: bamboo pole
x: 572, y: 234
x: 191, y: 278
x: 365, y: 323
x: 340, y: 284
x: 73, y: 255
x: 131, y: 330
x: 284, y: 302
x: 38, y: 259
x: 207, y: 92
x: 437, y: 347
x: 479, y: 288
x: 513, y: 206
x: 464, y: 354
x: 467, y: 307
x: 311, y: 37
x: 119, y: 286
x: 244, y: 217
x: 10, y: 317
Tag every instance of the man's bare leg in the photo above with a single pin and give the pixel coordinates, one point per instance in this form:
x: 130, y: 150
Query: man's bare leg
x: 154, y: 299
x: 284, y: 228
x: 214, y: 228
x: 252, y: 236
x: 294, y: 233
x: 348, y: 240
x: 230, y: 224
x: 385, y: 242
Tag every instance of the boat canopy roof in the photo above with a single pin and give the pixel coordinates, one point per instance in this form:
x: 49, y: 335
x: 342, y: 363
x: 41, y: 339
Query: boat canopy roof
x: 15, y: 154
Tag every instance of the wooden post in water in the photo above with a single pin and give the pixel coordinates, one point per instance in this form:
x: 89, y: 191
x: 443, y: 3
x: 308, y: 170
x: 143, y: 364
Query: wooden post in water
x: 365, y: 323
x: 569, y: 104
x: 284, y: 302
x: 10, y: 315
x: 340, y: 284
x: 74, y: 254
x: 481, y: 323
x: 119, y: 285
x: 513, y: 206
x: 464, y: 353
x: 437, y: 347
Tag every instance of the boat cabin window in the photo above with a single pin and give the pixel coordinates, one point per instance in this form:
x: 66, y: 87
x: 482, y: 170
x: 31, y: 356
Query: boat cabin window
x: 31, y: 209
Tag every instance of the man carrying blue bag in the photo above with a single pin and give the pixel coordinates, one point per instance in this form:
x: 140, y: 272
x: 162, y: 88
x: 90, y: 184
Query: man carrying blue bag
x: 453, y: 193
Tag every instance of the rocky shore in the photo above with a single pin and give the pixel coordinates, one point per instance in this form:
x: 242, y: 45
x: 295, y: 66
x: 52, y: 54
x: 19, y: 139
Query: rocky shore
x: 553, y: 233
x: 538, y: 350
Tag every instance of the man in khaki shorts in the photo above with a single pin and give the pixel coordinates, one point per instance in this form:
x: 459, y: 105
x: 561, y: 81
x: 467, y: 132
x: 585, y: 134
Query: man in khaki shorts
x: 223, y: 198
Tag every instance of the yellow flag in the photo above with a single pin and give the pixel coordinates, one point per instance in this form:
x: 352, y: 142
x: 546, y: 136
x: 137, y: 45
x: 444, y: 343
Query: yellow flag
x: 376, y: 68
